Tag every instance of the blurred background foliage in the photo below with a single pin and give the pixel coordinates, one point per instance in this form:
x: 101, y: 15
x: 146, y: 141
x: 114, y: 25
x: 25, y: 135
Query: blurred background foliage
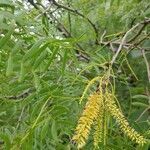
x: 49, y: 50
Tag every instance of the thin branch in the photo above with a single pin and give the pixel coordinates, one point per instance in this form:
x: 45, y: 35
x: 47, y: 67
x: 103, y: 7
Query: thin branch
x: 112, y: 42
x: 45, y: 11
x: 67, y: 34
x: 123, y: 41
x: 141, y: 40
x: 20, y: 96
x: 138, y: 33
x: 78, y: 13
x: 69, y: 18
x: 33, y: 4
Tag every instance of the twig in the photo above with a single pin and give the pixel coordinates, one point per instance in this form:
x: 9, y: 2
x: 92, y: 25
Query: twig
x: 138, y: 33
x: 20, y: 96
x: 124, y: 39
x: 141, y: 40
x: 78, y: 13
x: 112, y: 43
x: 69, y: 18
x: 67, y: 34
x: 42, y: 13
x: 33, y: 4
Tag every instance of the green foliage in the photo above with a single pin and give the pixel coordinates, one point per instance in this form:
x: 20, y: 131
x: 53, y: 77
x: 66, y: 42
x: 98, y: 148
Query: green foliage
x: 47, y: 57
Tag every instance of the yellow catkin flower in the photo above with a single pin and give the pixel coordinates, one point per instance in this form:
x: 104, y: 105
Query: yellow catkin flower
x: 98, y: 134
x: 85, y: 122
x: 120, y: 118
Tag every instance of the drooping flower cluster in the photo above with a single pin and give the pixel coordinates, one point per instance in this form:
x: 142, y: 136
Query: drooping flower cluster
x: 85, y: 122
x: 120, y: 118
x: 98, y: 105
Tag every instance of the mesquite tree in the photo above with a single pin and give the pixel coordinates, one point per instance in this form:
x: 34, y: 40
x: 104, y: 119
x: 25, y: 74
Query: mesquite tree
x: 74, y: 74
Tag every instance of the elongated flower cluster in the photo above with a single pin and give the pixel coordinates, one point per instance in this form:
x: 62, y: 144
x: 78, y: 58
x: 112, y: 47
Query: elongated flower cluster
x: 120, y: 118
x: 85, y: 122
x: 98, y: 134
x: 95, y: 112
